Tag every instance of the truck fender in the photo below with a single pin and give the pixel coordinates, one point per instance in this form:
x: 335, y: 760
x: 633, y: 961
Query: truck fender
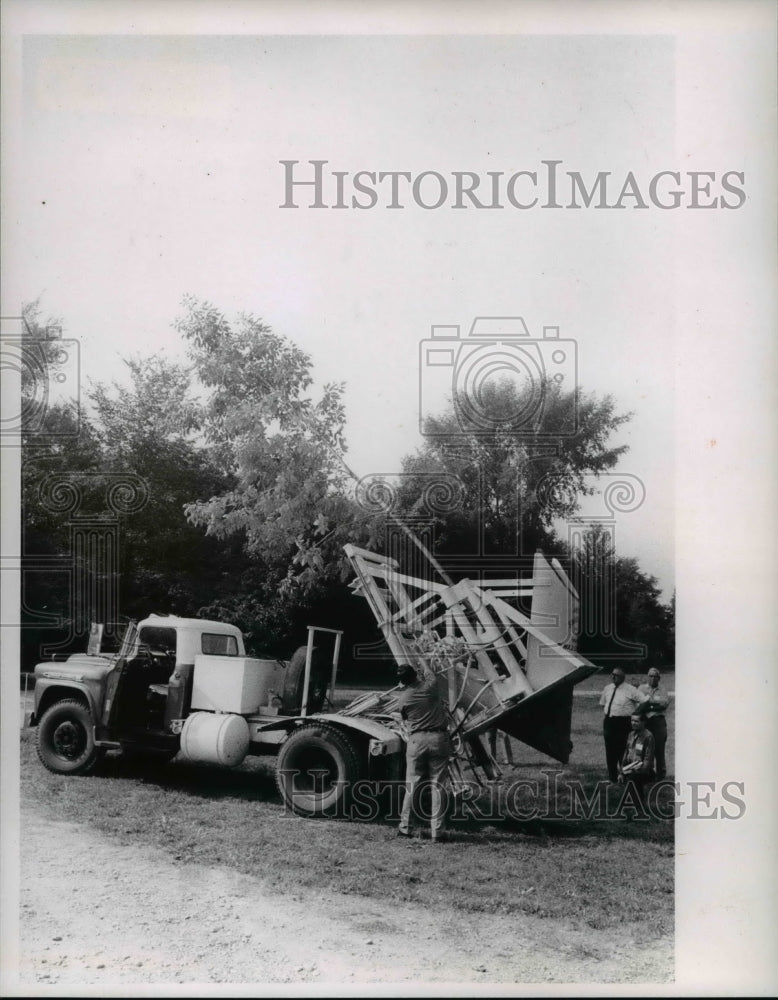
x: 383, y: 739
x: 50, y: 689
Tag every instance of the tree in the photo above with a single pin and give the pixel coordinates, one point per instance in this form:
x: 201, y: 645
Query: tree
x: 57, y: 452
x: 289, y: 503
x: 49, y: 367
x: 56, y: 435
x: 254, y: 459
x: 103, y: 496
x: 514, y: 482
x: 623, y: 620
x: 151, y: 430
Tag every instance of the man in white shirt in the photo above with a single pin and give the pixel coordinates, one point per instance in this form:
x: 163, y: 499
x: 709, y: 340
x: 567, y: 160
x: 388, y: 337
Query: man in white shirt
x: 619, y: 701
x: 655, y: 700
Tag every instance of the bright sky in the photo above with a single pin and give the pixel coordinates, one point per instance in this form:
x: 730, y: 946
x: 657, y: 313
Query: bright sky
x: 153, y: 170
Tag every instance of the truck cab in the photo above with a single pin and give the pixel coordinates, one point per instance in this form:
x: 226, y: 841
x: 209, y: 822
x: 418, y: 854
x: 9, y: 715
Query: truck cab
x: 133, y: 699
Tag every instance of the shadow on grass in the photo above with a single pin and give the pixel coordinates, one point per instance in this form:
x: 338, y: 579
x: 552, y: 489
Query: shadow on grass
x: 254, y: 780
x: 571, y: 807
x: 626, y: 826
x: 540, y: 806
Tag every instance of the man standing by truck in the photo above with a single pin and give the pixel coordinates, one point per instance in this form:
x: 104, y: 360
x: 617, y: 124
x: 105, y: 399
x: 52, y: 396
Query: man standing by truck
x: 429, y: 746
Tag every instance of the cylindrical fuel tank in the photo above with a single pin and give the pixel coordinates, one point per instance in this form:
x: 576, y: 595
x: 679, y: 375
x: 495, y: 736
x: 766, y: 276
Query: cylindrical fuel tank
x: 215, y: 739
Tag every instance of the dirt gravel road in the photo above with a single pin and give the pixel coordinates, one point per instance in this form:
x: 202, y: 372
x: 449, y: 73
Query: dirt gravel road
x: 97, y: 913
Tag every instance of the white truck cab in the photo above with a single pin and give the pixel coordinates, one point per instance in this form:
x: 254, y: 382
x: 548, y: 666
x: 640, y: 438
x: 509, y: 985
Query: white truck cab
x: 190, y: 637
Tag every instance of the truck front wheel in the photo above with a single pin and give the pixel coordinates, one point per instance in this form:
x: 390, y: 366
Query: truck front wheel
x: 65, y: 739
x: 317, y: 768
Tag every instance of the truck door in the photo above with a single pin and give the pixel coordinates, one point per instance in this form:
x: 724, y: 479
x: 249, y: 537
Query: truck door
x: 130, y: 690
x: 108, y: 722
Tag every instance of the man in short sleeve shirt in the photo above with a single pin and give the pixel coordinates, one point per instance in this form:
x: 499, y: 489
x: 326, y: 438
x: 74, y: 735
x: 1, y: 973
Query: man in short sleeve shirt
x: 655, y: 700
x: 619, y: 700
x: 429, y: 746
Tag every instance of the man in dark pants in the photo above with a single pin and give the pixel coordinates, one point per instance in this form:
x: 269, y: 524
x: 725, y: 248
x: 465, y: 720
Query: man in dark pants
x: 637, y: 764
x: 429, y: 746
x: 654, y: 704
x: 619, y: 701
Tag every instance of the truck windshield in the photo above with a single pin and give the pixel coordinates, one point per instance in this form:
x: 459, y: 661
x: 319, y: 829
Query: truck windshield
x: 159, y: 637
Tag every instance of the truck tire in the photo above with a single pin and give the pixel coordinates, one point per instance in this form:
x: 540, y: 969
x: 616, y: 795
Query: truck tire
x: 317, y: 767
x: 295, y: 680
x: 65, y: 738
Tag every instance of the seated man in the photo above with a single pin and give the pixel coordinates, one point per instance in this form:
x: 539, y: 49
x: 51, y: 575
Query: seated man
x: 637, y: 764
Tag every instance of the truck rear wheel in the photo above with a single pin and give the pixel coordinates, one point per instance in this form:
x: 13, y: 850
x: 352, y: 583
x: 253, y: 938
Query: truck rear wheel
x: 317, y: 767
x: 65, y: 738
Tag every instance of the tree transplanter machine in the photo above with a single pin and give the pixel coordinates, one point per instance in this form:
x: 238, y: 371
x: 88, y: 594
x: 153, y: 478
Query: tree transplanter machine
x: 498, y: 668
x: 186, y: 686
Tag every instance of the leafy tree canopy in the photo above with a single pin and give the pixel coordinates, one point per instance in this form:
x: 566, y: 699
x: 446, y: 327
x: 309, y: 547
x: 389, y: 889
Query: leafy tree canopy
x: 157, y: 409
x: 290, y: 502
x: 516, y: 479
x: 621, y: 606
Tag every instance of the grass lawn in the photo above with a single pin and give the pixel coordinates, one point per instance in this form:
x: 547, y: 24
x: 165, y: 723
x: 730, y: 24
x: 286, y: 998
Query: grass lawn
x: 599, y: 872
